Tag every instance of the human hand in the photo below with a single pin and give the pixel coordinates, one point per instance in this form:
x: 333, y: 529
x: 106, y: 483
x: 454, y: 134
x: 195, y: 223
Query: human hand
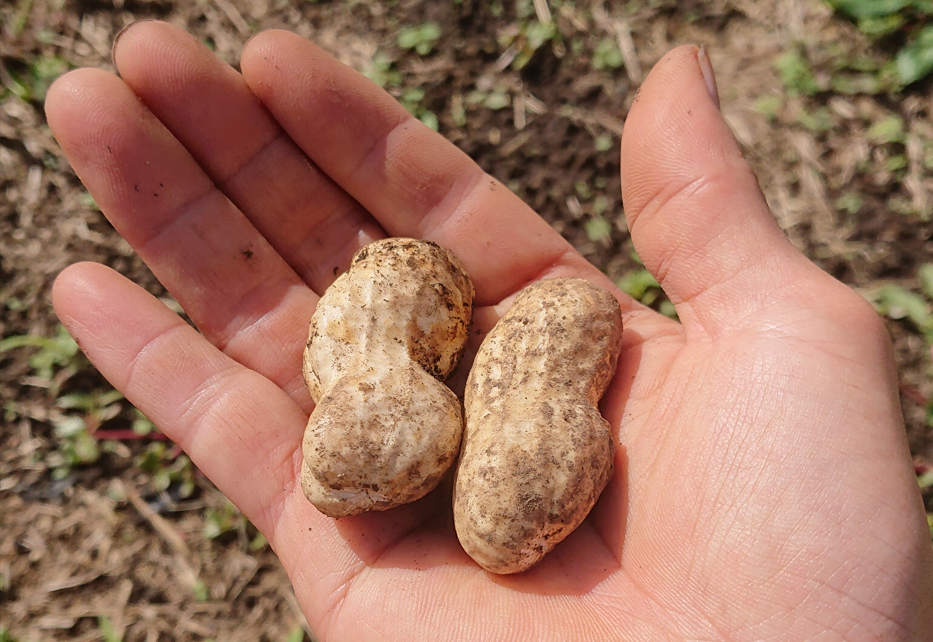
x: 762, y: 485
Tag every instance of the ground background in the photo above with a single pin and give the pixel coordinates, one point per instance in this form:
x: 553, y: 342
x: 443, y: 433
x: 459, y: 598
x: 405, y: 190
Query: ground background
x: 106, y: 530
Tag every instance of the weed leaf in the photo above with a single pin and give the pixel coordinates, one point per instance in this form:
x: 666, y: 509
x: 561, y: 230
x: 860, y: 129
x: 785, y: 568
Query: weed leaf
x: 915, y: 60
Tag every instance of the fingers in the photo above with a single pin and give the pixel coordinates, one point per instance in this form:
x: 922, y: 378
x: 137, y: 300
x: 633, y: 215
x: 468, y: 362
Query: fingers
x: 209, y: 109
x: 236, y: 425
x: 413, y: 181
x: 229, y: 279
x: 697, y: 216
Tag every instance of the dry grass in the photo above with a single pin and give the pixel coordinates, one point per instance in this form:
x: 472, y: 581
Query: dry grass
x: 105, y: 542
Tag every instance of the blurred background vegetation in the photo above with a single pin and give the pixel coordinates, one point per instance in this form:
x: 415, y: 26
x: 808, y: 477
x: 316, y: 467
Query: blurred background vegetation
x: 110, y: 533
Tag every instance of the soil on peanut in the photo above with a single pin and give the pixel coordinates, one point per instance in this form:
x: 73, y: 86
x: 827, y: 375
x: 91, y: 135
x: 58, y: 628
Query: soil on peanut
x: 111, y: 543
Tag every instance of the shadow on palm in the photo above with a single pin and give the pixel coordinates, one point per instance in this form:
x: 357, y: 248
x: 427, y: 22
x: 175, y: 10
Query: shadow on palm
x: 574, y: 567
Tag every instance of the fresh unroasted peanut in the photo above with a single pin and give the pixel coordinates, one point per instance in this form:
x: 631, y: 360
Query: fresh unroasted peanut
x: 382, y: 339
x: 536, y: 453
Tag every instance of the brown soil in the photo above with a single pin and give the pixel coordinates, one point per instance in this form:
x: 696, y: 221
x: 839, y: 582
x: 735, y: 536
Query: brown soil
x: 107, y: 545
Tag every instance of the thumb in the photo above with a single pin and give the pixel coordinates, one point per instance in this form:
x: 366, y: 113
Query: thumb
x: 697, y: 216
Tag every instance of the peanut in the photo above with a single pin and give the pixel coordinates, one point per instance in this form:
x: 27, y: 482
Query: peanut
x: 536, y: 453
x: 383, y: 338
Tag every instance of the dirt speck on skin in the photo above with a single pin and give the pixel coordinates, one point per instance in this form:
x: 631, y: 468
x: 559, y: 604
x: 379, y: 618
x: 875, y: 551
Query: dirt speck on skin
x: 547, y: 143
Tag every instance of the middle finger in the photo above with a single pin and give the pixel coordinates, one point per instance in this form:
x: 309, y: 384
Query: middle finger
x: 313, y: 224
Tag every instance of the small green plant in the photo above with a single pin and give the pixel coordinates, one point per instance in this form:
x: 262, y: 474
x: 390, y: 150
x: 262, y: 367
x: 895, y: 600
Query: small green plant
x: 607, y: 55
x: 44, y: 70
x: 76, y: 416
x: 925, y: 478
x: 874, y: 18
x: 525, y: 39
x: 218, y: 521
x: 102, y: 406
x: 495, y: 99
x: 411, y: 100
x: 108, y: 632
x: 896, y: 163
x: 536, y: 34
x: 142, y: 425
x: 912, y: 19
x: 583, y: 190
x: 17, y: 24
x: 768, y: 106
x: 600, y: 204
x: 33, y: 84
x: 817, y: 121
x: 854, y: 73
x: 915, y: 60
x: 258, y: 543
x: 297, y: 635
x: 524, y: 9
x: 381, y: 71
x: 75, y: 446
x: 229, y: 519
x: 458, y: 112
x: 200, y: 591
x: 603, y: 143
x: 577, y: 45
x: 5, y: 635
x: 888, y: 130
x: 849, y: 202
x: 598, y: 229
x: 420, y: 38
x: 796, y: 74
x: 898, y: 303
x: 643, y: 287
x: 88, y: 201
x: 167, y: 468
x: 59, y: 357
x: 639, y: 284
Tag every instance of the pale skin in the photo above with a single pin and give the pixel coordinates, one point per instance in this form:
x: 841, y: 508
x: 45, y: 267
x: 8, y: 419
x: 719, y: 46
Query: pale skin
x: 762, y: 486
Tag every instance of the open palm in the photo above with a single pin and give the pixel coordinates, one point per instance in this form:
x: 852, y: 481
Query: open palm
x: 762, y: 485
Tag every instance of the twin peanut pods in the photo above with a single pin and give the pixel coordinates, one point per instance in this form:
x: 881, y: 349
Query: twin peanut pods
x: 534, y: 454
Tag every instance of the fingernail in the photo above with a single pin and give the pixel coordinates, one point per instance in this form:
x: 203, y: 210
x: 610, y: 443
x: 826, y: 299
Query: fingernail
x: 120, y: 34
x: 709, y: 76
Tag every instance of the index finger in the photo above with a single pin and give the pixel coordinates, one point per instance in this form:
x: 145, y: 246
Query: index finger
x: 411, y: 179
